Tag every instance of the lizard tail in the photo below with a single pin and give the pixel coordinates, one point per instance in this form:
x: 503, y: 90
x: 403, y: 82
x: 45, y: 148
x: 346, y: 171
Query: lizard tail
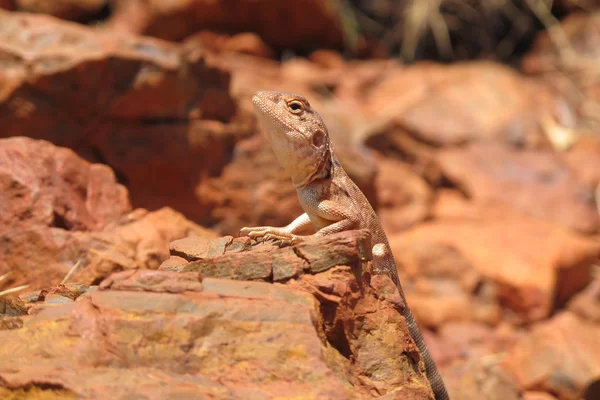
x: 437, y: 385
x: 383, y: 261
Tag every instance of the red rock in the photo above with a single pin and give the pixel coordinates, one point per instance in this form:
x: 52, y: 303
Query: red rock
x: 230, y: 334
x: 272, y: 20
x: 530, y: 266
x: 153, y: 281
x: 453, y: 104
x: 481, y: 379
x: 327, y: 58
x: 443, y: 285
x: 248, y: 43
x: 149, y: 110
x: 337, y: 289
x: 243, y: 43
x: 106, y: 343
x: 277, y: 264
x: 560, y: 356
x: 40, y: 256
x: 173, y: 263
x: 536, y: 183
x: 199, y: 247
x: 59, y: 211
x: 586, y: 304
x: 584, y: 159
x: 471, y: 340
x: 45, y: 185
x: 404, y: 197
x: 534, y: 395
x: 67, y: 9
x: 11, y: 308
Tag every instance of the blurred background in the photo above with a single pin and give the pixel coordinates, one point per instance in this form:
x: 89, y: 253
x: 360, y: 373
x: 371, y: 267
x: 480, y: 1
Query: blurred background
x: 473, y: 127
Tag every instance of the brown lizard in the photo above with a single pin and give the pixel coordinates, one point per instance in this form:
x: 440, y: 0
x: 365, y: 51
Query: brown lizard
x: 331, y: 201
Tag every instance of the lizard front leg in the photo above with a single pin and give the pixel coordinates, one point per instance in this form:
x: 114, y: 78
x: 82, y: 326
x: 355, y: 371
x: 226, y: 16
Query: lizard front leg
x: 285, y: 234
x: 339, y: 219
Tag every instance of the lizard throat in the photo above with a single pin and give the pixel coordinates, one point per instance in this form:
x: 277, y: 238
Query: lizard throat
x: 323, y: 171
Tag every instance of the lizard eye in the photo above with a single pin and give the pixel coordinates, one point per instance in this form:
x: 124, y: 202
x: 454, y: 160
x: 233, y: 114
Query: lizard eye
x: 296, y: 107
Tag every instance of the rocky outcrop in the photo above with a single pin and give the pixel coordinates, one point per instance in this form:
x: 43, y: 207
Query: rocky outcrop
x: 61, y: 212
x: 141, y: 105
x: 335, y: 331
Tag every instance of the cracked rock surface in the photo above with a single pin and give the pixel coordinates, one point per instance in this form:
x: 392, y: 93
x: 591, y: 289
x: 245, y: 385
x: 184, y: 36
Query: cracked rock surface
x: 333, y: 331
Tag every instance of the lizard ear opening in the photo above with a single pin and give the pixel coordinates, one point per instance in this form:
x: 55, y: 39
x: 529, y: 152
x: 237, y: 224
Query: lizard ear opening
x: 318, y: 138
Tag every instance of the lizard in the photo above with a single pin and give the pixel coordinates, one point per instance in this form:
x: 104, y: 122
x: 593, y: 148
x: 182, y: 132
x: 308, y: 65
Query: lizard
x: 330, y: 199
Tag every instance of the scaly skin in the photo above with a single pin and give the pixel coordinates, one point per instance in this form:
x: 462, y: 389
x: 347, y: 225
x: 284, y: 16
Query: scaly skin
x: 331, y: 201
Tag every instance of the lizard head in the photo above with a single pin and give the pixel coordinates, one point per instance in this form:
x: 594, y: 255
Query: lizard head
x: 296, y: 133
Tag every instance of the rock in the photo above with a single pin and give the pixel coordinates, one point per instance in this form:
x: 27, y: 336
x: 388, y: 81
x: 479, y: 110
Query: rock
x: 536, y: 183
x: 586, y: 304
x: 223, y: 336
x: 106, y: 344
x: 314, y: 22
x: 143, y: 106
x: 12, y: 308
x: 535, y: 395
x: 404, y: 197
x: 243, y: 43
x: 196, y: 247
x: 173, y: 264
x: 529, y: 265
x: 45, y: 185
x: 39, y: 256
x: 468, y: 340
x: 60, y: 212
x: 481, y: 379
x: 584, y: 159
x: 327, y: 59
x: 76, y: 10
x: 454, y: 104
x: 443, y: 283
x: 153, y: 281
x: 571, y: 66
x: 273, y: 264
x: 560, y: 356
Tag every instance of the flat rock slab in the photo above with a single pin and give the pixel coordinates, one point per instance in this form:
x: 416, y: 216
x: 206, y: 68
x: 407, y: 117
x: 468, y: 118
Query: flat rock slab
x: 223, y: 342
x: 226, y: 258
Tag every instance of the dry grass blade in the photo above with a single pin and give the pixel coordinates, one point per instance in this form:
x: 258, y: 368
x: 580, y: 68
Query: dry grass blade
x: 543, y: 12
x: 4, y: 276
x: 415, y: 24
x: 71, y: 271
x: 12, y: 290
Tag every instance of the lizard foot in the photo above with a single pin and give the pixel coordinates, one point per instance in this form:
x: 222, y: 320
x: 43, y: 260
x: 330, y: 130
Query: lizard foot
x: 264, y: 233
